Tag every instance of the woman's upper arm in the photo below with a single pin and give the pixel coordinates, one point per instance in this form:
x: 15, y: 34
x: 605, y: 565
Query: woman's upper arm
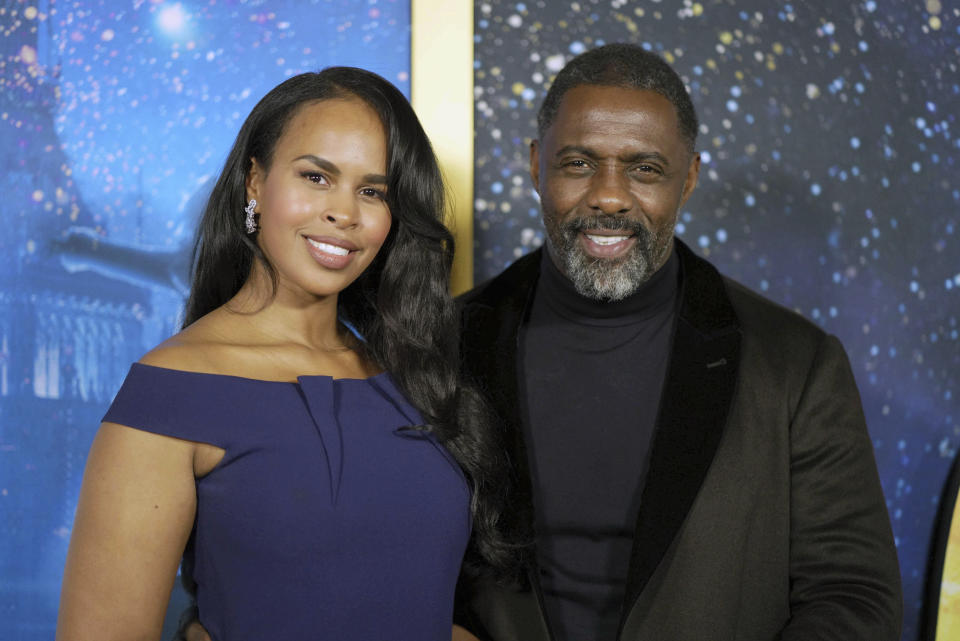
x: 461, y: 634
x: 135, y: 513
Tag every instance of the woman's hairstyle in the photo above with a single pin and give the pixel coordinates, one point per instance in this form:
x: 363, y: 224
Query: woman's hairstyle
x: 400, y: 304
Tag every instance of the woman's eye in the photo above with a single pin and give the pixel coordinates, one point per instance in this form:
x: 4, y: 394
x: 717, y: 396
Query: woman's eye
x: 370, y: 192
x: 314, y: 177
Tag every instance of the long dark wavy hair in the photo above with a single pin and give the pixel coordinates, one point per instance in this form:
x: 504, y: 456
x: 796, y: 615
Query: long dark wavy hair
x: 400, y: 304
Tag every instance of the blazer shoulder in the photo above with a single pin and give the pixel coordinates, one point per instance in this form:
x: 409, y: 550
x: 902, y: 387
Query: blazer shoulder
x: 513, y: 282
x: 715, y: 303
x: 765, y: 319
x: 780, y: 347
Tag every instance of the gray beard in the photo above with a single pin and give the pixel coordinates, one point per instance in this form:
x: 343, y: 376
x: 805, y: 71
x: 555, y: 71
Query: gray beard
x: 605, y: 279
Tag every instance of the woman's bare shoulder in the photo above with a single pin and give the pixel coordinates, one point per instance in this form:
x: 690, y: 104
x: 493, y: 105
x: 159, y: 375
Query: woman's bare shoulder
x: 204, y: 346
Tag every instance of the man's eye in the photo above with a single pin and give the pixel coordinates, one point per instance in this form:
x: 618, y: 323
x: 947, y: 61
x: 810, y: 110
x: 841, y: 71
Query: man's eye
x: 648, y: 169
x: 576, y: 163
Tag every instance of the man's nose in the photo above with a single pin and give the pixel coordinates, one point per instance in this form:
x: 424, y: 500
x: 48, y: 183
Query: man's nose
x: 609, y: 192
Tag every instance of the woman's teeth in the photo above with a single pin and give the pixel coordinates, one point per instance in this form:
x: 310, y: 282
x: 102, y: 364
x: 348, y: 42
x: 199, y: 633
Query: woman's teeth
x: 328, y: 248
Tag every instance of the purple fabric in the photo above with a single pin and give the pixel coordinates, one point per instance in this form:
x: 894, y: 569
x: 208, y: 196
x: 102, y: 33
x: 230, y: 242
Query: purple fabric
x: 324, y: 520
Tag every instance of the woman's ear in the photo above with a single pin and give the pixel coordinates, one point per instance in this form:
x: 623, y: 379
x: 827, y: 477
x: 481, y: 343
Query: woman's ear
x: 255, y: 178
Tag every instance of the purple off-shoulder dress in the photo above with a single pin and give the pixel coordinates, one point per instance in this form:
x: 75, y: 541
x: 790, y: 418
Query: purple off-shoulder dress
x: 325, y: 519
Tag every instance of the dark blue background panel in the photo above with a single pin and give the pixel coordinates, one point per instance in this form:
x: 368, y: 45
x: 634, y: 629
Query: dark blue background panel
x: 830, y: 148
x: 115, y: 118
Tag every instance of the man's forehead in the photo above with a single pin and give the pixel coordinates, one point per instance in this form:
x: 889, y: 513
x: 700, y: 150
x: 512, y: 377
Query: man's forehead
x: 605, y: 111
x: 585, y: 98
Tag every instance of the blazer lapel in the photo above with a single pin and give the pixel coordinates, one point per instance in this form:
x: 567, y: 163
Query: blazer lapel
x: 698, y: 391
x: 492, y: 315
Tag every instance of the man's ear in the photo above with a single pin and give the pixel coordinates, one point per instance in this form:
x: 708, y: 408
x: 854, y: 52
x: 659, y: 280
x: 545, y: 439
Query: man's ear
x: 535, y: 164
x: 255, y: 178
x: 690, y: 182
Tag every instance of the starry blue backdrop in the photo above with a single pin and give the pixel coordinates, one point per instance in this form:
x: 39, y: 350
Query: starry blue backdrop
x: 115, y: 118
x: 829, y: 137
x: 830, y: 146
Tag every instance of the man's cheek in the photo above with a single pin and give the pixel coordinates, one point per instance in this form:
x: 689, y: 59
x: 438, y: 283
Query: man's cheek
x: 560, y: 201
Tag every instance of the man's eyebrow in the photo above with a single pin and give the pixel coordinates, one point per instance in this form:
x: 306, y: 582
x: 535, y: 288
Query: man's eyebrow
x: 326, y: 165
x: 646, y: 156
x: 640, y: 156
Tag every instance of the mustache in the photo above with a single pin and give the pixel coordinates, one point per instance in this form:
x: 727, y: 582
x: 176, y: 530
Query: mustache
x: 605, y: 222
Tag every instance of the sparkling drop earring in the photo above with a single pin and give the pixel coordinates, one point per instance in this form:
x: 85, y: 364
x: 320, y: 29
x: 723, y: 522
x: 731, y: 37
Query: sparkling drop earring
x: 250, y: 221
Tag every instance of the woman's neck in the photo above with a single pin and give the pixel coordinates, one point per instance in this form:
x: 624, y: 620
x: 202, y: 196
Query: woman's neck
x: 281, y: 316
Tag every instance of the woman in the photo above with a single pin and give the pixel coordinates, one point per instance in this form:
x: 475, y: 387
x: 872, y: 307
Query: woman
x: 296, y: 436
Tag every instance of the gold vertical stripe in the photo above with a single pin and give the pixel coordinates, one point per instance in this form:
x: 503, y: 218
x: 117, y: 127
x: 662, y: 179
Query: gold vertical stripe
x: 441, y: 89
x: 948, y: 610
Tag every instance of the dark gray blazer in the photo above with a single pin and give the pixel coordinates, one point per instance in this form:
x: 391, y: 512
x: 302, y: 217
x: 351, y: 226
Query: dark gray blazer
x: 762, y: 516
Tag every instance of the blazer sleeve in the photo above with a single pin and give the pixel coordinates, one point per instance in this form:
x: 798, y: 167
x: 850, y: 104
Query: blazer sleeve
x: 844, y: 575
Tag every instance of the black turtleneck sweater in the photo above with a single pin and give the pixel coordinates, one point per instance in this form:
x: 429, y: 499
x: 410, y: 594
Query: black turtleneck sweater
x: 592, y: 374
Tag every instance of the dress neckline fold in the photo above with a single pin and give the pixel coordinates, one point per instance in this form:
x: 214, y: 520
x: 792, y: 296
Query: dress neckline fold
x: 376, y: 377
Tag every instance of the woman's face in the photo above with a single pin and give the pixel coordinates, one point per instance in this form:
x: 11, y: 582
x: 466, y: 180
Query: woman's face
x: 322, y: 205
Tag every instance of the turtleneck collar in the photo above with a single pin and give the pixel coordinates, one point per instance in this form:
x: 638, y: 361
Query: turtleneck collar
x: 655, y: 296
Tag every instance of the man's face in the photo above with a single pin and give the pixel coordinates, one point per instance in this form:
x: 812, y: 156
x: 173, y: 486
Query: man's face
x: 612, y: 172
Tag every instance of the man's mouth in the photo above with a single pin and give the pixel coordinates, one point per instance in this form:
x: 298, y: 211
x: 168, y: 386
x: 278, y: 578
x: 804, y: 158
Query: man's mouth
x: 606, y: 246
x: 606, y: 240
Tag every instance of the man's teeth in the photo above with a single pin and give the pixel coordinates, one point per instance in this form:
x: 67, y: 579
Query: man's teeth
x: 606, y: 240
x: 328, y: 248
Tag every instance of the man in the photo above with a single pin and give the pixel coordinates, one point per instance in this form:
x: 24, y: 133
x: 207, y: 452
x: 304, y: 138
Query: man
x: 691, y: 460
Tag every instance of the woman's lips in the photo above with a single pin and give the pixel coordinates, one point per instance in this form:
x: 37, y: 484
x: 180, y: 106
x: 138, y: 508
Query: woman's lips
x: 333, y: 253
